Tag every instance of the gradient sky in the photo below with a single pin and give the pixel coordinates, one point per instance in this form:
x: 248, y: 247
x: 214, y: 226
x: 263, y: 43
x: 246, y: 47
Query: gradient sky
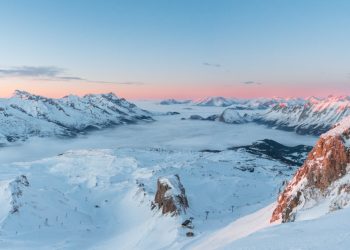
x: 175, y: 48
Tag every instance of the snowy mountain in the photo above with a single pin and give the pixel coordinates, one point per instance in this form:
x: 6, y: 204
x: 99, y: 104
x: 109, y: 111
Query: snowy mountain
x: 25, y: 115
x: 315, y: 117
x: 216, y: 101
x: 174, y: 101
x: 267, y: 103
x: 249, y: 104
x: 322, y: 184
x: 231, y: 115
x: 199, y: 184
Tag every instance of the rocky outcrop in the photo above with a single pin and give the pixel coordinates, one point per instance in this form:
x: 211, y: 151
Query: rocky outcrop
x: 322, y: 174
x: 200, y: 118
x: 16, y: 188
x: 170, y: 196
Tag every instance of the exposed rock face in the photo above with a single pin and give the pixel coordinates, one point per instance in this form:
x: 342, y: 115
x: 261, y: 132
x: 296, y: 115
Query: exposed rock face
x: 332, y: 154
x: 17, y: 187
x: 171, y: 196
x: 22, y: 180
x: 322, y: 173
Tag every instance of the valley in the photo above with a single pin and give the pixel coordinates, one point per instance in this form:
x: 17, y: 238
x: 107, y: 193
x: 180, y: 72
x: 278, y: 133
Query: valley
x: 102, y: 184
x: 174, y: 125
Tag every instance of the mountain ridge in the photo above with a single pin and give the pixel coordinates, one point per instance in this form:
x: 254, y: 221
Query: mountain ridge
x: 315, y: 117
x: 322, y: 184
x: 24, y: 114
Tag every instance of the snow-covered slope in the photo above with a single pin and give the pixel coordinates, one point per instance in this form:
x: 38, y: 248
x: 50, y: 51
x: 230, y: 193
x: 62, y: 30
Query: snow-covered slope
x: 253, y: 232
x: 322, y: 184
x: 100, y: 199
x: 316, y: 116
x: 328, y: 232
x: 223, y: 238
x: 25, y: 115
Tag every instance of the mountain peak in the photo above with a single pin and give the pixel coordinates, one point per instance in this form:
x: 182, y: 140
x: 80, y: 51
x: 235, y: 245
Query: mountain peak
x: 28, y: 114
x: 217, y: 101
x: 21, y: 94
x: 109, y: 95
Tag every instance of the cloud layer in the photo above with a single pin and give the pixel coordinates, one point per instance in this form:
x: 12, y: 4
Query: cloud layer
x: 27, y: 71
x: 50, y: 73
x: 216, y: 65
x: 252, y: 83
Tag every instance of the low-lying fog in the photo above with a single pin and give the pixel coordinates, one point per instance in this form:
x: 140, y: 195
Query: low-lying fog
x: 169, y: 132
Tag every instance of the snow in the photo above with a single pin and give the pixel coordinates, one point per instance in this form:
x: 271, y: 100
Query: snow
x: 174, y: 185
x: 328, y: 232
x: 77, y: 175
x: 25, y: 115
x: 95, y: 191
x: 168, y: 132
x: 316, y: 116
x: 248, y: 104
x: 238, y: 229
x: 231, y: 116
x: 216, y: 101
x: 5, y: 199
x: 92, y: 197
x: 339, y: 128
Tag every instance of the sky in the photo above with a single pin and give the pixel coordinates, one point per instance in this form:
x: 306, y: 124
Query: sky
x: 159, y: 49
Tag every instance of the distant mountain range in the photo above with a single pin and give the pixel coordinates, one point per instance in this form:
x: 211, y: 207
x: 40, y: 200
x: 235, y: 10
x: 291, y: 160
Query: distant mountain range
x: 316, y: 116
x: 174, y: 101
x: 304, y: 116
x: 24, y: 115
x: 217, y: 101
x: 236, y: 103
